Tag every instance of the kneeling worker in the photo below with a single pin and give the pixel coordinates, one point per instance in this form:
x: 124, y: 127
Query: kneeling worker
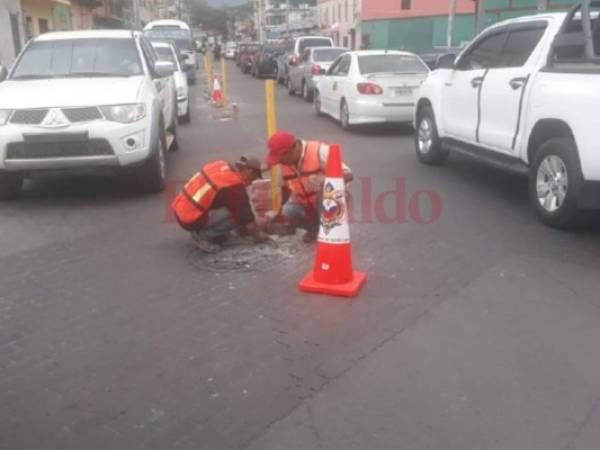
x: 303, y: 169
x: 215, y: 202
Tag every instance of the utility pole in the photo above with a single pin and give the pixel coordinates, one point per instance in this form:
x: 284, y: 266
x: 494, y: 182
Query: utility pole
x: 480, y: 23
x: 451, y: 15
x: 542, y: 5
x: 136, y: 14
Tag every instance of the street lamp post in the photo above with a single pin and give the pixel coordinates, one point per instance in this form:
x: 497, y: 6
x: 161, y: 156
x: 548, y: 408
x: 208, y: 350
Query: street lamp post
x: 451, y: 15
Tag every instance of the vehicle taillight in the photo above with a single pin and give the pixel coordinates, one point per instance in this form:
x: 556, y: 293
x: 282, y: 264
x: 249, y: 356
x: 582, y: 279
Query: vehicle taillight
x: 369, y: 89
x: 315, y: 69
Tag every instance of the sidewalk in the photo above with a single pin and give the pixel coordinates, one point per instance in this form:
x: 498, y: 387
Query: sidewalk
x: 489, y: 369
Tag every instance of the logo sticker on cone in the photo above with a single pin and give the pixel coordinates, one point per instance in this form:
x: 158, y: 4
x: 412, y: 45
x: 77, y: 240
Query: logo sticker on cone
x: 217, y: 97
x: 333, y: 273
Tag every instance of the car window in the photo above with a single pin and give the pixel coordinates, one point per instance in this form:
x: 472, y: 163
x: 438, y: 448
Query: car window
x: 165, y: 54
x: 343, y: 67
x: 334, y: 67
x: 519, y: 46
x: 485, y: 53
x: 390, y: 63
x: 79, y: 57
x: 327, y: 55
x: 150, y: 55
x: 313, y: 42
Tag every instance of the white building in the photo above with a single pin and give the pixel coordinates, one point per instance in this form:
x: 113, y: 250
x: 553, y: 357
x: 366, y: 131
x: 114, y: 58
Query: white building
x: 12, y: 35
x: 277, y: 20
x: 340, y: 19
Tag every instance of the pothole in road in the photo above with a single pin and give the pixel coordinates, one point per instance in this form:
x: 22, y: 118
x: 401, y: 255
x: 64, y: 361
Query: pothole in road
x: 241, y: 256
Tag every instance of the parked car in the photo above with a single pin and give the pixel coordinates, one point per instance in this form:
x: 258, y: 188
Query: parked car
x: 179, y: 32
x: 370, y: 86
x: 314, y: 62
x: 96, y: 100
x: 523, y: 97
x: 264, y: 60
x: 298, y: 45
x: 245, y: 57
x: 167, y: 52
x: 432, y: 57
x: 230, y: 49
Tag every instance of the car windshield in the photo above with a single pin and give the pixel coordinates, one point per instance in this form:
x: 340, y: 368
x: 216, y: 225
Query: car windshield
x: 182, y: 38
x: 327, y: 55
x: 66, y: 58
x: 165, y: 54
x: 390, y: 63
x: 314, y: 42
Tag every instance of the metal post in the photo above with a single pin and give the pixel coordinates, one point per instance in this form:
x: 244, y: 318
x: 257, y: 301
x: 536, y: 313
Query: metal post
x: 480, y: 15
x: 136, y: 14
x: 451, y: 15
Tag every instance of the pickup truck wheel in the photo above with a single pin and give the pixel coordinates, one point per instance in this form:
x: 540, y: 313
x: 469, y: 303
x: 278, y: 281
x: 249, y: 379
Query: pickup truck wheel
x: 554, y: 181
x: 152, y: 175
x: 317, y: 103
x: 11, y: 185
x: 427, y: 141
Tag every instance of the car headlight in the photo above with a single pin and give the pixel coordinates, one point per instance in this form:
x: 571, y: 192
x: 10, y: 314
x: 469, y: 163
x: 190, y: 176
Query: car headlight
x: 180, y: 92
x: 124, y: 113
x: 4, y: 115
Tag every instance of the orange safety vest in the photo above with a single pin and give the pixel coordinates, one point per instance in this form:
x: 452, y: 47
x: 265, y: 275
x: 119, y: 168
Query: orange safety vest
x: 194, y: 201
x: 298, y: 181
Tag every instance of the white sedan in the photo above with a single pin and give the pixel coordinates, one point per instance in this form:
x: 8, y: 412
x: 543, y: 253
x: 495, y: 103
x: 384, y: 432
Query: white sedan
x: 167, y: 52
x: 370, y: 86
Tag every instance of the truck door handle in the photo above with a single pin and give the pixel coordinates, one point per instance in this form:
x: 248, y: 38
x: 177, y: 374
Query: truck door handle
x: 476, y: 82
x: 517, y: 83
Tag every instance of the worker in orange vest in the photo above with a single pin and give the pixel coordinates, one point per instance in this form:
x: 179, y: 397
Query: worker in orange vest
x: 303, y: 165
x: 214, y: 202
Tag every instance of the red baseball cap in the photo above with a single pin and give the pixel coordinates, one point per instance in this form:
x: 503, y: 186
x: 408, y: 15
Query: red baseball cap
x: 279, y: 143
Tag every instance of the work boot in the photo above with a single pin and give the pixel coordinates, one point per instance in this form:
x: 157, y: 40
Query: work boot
x: 204, y: 244
x: 310, y: 237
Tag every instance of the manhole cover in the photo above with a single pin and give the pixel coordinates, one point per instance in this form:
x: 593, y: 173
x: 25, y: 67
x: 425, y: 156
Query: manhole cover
x: 241, y: 256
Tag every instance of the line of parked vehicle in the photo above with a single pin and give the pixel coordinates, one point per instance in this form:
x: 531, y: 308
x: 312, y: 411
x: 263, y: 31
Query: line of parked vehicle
x: 105, y: 101
x: 353, y: 87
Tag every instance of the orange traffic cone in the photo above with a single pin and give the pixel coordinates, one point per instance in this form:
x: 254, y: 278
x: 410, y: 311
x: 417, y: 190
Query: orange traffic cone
x: 216, y: 95
x: 333, y: 273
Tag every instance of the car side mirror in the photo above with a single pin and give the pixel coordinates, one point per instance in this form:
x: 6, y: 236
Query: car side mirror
x: 446, y: 62
x: 164, y: 68
x: 3, y: 73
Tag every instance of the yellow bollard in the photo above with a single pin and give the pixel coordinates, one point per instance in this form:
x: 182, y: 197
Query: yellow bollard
x: 224, y: 82
x: 276, y: 177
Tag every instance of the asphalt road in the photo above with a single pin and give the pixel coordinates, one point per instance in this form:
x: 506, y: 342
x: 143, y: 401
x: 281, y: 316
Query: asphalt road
x: 479, y: 330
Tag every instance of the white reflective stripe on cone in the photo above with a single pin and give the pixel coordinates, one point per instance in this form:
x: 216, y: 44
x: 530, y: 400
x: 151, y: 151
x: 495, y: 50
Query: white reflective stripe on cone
x: 334, y: 227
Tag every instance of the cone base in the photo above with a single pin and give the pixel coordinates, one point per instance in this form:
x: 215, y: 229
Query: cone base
x: 308, y: 284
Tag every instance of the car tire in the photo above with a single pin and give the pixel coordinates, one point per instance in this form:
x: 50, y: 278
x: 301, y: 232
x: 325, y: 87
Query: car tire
x: 317, y: 103
x: 306, y: 93
x: 11, y: 185
x: 290, y: 87
x: 345, y: 115
x: 556, y: 172
x: 173, y: 130
x: 186, y: 118
x: 427, y: 141
x: 152, y: 175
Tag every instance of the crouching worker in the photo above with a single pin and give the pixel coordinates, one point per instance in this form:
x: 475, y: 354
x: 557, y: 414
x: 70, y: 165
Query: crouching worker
x: 214, y: 202
x: 303, y: 166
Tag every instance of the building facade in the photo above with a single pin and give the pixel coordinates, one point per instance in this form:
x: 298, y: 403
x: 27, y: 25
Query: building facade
x: 341, y: 19
x: 12, y: 32
x: 276, y: 19
x: 419, y: 25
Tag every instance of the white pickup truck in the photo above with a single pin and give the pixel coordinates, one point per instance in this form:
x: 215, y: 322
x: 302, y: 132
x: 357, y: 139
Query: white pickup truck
x: 525, y: 97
